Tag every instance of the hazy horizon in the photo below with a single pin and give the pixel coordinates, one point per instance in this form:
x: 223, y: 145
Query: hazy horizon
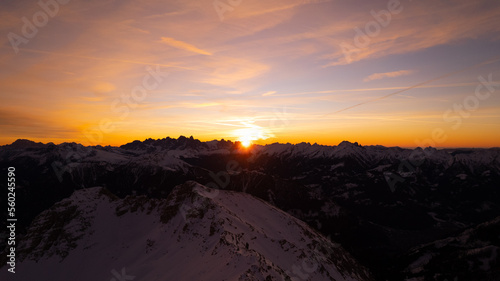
x: 258, y: 142
x: 391, y: 73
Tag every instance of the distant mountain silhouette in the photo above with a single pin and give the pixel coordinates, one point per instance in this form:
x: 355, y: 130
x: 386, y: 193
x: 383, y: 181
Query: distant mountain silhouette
x: 387, y: 206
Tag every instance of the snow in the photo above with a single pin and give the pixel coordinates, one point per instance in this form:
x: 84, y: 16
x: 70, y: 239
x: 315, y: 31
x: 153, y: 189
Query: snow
x: 211, y: 244
x: 418, y: 265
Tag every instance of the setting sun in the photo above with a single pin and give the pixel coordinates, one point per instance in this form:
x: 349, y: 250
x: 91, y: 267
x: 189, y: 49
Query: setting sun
x: 246, y: 142
x: 247, y: 135
x: 250, y: 134
x: 250, y: 140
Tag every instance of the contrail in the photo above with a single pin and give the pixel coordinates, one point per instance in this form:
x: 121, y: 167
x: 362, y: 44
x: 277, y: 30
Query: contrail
x: 376, y: 89
x: 489, y: 61
x: 100, y: 59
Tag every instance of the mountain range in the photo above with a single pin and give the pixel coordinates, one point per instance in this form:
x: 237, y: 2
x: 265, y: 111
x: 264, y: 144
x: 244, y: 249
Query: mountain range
x: 182, y: 209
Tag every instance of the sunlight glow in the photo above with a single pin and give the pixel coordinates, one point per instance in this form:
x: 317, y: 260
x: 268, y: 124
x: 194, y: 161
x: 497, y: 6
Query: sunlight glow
x: 250, y: 134
x: 246, y: 142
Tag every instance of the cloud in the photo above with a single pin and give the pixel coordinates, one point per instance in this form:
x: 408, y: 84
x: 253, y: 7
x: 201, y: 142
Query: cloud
x: 231, y: 72
x: 376, y: 76
x: 268, y: 93
x: 103, y: 88
x: 418, y: 28
x: 103, y: 59
x: 184, y: 46
x: 265, y: 54
x: 16, y: 124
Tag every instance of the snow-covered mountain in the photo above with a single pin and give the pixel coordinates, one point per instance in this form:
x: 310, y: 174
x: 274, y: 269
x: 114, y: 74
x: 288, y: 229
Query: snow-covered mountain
x: 472, y: 255
x: 378, y: 202
x: 197, y: 233
x: 373, y: 155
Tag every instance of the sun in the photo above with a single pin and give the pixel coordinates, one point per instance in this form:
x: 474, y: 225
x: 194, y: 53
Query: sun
x: 246, y: 142
x: 247, y: 136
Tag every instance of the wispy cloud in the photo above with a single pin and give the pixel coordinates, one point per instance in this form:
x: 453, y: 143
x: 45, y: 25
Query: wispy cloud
x: 96, y: 58
x: 103, y: 88
x: 16, y: 124
x: 377, y: 76
x: 268, y: 93
x: 265, y: 55
x: 184, y: 46
x: 443, y: 24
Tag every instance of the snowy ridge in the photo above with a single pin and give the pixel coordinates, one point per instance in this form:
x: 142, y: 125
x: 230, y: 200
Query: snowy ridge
x: 475, y: 249
x: 368, y: 197
x: 169, y: 153
x: 344, y: 149
x: 196, y: 233
x: 371, y: 155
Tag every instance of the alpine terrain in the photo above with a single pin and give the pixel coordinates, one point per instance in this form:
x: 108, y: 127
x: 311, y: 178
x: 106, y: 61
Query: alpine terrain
x: 182, y: 209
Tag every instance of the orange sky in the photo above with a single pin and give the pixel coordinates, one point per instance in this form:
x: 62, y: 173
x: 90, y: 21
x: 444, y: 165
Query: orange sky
x: 373, y: 72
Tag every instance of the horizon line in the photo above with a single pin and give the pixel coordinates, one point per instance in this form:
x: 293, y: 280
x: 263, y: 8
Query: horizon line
x: 256, y: 144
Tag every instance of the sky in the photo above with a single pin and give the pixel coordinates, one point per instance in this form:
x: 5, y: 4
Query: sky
x: 393, y: 73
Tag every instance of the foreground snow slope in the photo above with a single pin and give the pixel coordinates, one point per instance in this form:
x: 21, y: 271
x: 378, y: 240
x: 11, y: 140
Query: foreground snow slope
x: 195, y: 234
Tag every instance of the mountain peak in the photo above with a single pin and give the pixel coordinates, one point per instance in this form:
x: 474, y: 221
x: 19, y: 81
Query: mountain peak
x: 181, y: 143
x: 233, y: 236
x: 24, y: 143
x: 189, y: 191
x: 348, y: 144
